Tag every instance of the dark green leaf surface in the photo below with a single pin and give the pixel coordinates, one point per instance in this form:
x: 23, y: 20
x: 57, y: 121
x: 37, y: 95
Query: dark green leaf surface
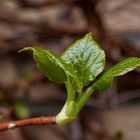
x: 50, y: 64
x: 86, y: 58
x: 119, y: 69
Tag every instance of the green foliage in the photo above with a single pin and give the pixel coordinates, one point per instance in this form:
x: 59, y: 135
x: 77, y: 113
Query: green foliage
x: 86, y: 58
x: 119, y: 69
x: 80, y: 64
x: 50, y: 64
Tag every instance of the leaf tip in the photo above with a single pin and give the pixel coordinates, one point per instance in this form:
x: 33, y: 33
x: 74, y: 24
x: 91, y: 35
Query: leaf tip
x: 25, y: 49
x: 89, y: 34
x: 90, y: 37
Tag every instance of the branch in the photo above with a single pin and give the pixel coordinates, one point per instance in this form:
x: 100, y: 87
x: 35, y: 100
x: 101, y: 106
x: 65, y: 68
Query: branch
x: 26, y: 122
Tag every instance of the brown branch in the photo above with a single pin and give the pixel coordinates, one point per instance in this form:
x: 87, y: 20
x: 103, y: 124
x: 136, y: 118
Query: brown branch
x: 26, y: 122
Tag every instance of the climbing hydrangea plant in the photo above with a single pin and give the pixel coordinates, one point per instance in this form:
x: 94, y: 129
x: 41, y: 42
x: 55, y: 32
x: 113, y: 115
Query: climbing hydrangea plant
x: 80, y: 64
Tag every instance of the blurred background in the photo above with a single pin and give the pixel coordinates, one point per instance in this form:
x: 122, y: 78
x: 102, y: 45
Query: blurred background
x: 54, y: 24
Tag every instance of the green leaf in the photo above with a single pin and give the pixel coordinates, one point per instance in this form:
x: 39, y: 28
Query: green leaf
x: 119, y: 69
x: 50, y: 64
x: 86, y: 58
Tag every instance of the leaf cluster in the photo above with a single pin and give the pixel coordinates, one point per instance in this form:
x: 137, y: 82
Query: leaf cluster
x: 78, y: 66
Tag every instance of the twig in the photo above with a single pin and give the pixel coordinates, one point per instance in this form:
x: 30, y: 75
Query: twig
x: 26, y: 122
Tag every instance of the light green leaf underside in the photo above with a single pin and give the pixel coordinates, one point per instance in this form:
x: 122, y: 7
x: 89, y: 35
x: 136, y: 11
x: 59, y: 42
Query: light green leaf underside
x: 119, y: 69
x: 50, y: 64
x: 86, y: 58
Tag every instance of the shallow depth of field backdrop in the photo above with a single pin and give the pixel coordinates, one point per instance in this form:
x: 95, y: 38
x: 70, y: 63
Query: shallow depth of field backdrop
x: 54, y: 24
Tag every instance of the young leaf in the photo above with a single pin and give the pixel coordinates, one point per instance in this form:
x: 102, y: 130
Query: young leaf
x: 86, y: 58
x: 119, y: 69
x: 50, y: 64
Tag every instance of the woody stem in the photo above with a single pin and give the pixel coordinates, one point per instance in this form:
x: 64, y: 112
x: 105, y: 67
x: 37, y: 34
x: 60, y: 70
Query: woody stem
x: 26, y: 122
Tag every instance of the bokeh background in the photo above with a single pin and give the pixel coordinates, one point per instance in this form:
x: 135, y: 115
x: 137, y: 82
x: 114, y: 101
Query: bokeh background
x: 54, y: 24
